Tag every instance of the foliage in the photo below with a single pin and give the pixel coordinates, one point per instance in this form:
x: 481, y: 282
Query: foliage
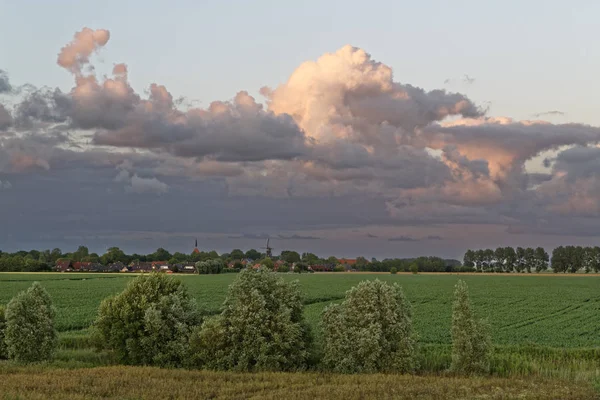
x: 471, y: 341
x: 3, y: 349
x: 283, y: 268
x: 290, y: 256
x: 339, y: 268
x: 507, y: 259
x: 30, y: 335
x: 371, y: 331
x: 214, y: 266
x: 267, y: 263
x: 149, y: 322
x: 414, y: 268
x: 260, y: 328
x: 393, y: 271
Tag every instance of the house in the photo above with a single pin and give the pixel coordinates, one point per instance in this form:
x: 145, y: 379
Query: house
x: 141, y: 267
x: 81, y: 266
x: 97, y: 267
x: 187, y: 269
x: 64, y: 265
x: 116, y: 267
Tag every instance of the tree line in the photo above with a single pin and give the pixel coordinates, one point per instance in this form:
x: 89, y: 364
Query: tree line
x: 261, y: 328
x: 565, y: 259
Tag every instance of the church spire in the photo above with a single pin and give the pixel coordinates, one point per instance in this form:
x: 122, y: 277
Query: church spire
x: 196, y: 245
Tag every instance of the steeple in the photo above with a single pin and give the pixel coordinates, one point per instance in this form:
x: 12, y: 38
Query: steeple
x: 196, y: 247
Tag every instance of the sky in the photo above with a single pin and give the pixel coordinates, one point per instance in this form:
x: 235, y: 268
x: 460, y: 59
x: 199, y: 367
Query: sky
x: 382, y: 129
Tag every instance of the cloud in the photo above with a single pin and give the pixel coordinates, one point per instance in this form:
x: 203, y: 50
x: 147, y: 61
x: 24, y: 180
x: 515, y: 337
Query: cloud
x: 434, y: 237
x: 5, y: 185
x: 298, y: 237
x: 369, y: 235
x: 549, y: 113
x: 402, y: 239
x: 5, y: 85
x: 76, y: 54
x: 343, y: 142
x: 250, y: 236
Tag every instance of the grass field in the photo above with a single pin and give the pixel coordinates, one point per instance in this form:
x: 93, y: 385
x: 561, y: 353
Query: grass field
x: 543, y: 327
x: 153, y: 383
x: 556, y: 311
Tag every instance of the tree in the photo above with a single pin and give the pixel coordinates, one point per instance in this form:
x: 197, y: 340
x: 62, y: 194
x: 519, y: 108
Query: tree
x: 261, y: 327
x: 414, y: 268
x: 310, y: 258
x: 160, y: 255
x: 112, y: 255
x: 541, y: 259
x: 267, y: 263
x: 149, y: 323
x: 559, y: 259
x: 520, y: 260
x: 499, y: 259
x: 30, y: 335
x: 236, y: 254
x: 214, y: 266
x: 529, y: 259
x: 471, y: 341
x: 371, y: 331
x: 510, y: 259
x: 332, y: 260
x: 253, y: 254
x: 3, y: 349
x: 290, y: 257
x: 469, y: 259
x: 393, y: 271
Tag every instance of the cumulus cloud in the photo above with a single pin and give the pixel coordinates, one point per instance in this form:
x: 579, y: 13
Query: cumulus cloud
x: 341, y: 129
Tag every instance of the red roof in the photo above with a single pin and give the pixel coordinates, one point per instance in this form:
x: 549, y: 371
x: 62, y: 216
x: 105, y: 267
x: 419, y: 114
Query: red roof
x: 347, y: 261
x: 196, y: 251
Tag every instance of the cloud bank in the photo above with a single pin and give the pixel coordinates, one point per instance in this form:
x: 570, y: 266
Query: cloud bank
x: 342, y: 129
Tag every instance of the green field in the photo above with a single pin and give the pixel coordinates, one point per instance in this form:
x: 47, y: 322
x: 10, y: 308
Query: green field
x: 545, y: 329
x: 555, y: 311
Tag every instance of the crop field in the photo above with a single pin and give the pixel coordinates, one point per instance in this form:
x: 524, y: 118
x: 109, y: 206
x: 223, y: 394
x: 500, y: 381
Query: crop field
x: 554, y: 311
x: 545, y: 330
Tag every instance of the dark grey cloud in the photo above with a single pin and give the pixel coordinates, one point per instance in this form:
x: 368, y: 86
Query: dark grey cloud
x: 5, y: 118
x: 549, y: 113
x: 371, y: 236
x: 298, y: 237
x: 434, y: 237
x: 5, y: 85
x: 402, y: 239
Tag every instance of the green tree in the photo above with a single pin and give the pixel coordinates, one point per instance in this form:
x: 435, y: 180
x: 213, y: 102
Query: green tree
x: 471, y: 341
x: 149, y: 323
x: 160, y: 255
x: 261, y: 327
x: 253, y: 254
x: 371, y: 331
x: 469, y: 259
x: 310, y: 258
x: 529, y: 259
x: 393, y: 270
x: 214, y: 266
x: 510, y: 257
x: 30, y: 335
x: 290, y: 257
x: 267, y: 263
x: 414, y: 268
x: 541, y: 259
x: 332, y: 260
x: 237, y: 254
x: 3, y: 349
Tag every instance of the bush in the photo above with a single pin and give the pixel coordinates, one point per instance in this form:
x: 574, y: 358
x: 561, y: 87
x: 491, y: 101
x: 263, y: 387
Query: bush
x: 339, y: 268
x: 471, y: 341
x: 283, y: 268
x: 149, y: 323
x: 210, y: 267
x: 414, y: 268
x: 393, y: 271
x: 261, y: 327
x: 30, y: 335
x: 3, y: 350
x: 371, y: 331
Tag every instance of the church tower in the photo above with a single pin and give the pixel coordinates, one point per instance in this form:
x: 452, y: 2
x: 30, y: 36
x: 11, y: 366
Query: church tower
x: 196, y: 251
